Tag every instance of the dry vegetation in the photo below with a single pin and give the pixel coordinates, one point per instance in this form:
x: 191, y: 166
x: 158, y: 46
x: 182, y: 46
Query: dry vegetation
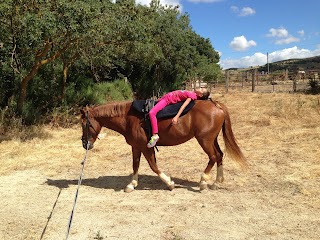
x: 277, y: 198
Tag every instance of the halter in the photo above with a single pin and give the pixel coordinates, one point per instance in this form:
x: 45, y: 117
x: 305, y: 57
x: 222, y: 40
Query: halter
x: 88, y: 125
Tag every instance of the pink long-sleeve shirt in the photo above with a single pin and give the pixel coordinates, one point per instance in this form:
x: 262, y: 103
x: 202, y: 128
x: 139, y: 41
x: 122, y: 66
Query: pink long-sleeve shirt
x: 178, y: 96
x: 169, y: 98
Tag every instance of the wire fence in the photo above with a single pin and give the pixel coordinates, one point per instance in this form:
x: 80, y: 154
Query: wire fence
x: 254, y: 81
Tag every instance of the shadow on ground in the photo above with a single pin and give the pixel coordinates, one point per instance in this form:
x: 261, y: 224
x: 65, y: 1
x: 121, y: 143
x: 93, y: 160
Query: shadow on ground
x: 118, y: 183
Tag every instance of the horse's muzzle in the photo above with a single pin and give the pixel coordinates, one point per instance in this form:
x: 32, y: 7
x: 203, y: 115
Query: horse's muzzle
x: 87, y: 144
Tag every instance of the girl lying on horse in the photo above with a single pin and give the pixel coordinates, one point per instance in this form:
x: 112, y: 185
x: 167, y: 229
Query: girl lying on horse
x: 172, y: 98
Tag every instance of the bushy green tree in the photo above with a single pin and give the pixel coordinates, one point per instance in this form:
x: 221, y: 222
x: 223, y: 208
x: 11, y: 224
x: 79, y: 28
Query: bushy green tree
x: 40, y: 32
x: 52, y: 49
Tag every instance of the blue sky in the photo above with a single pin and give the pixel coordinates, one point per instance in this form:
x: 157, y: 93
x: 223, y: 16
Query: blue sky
x: 245, y: 31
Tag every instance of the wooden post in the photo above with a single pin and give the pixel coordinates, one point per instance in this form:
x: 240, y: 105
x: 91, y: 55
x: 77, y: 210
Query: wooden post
x: 295, y: 83
x: 242, y: 79
x: 254, y: 72
x: 286, y: 75
x: 227, y: 81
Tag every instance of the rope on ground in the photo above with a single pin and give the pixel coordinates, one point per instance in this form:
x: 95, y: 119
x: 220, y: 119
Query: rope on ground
x: 54, y: 205
x: 77, y: 192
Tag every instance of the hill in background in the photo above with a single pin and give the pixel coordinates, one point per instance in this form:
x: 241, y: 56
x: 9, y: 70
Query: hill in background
x: 311, y: 64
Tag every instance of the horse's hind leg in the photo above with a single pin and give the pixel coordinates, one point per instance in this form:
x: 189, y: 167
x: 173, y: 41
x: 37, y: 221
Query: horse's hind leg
x: 219, y: 177
x: 215, y: 155
x: 136, y: 155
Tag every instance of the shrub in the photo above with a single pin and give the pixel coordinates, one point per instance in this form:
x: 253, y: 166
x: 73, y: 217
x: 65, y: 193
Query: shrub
x: 95, y: 94
x: 83, y: 92
x: 314, y: 86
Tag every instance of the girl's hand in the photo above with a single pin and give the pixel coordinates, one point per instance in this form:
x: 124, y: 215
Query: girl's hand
x: 175, y: 120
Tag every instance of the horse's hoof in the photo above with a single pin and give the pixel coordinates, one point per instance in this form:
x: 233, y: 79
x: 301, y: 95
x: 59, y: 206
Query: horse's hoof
x: 214, y: 187
x: 203, y: 186
x: 128, y: 189
x: 220, y: 179
x: 171, y: 186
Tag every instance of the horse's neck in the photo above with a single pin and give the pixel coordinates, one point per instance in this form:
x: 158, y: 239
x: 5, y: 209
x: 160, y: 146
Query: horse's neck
x: 117, y: 124
x: 115, y: 119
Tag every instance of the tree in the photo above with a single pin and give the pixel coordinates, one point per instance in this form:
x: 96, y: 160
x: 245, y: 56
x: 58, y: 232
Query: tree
x: 97, y: 41
x: 42, y: 31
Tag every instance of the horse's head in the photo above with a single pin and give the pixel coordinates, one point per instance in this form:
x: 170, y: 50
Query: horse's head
x: 90, y: 128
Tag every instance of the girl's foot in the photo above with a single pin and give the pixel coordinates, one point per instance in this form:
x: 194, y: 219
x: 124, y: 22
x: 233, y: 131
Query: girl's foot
x: 153, y: 141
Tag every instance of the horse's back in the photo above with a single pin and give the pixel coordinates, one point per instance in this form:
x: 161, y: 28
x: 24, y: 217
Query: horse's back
x: 205, y: 118
x: 207, y: 108
x: 207, y: 114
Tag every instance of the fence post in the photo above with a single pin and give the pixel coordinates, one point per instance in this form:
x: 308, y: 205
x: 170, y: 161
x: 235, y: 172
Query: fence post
x: 286, y: 75
x: 227, y: 81
x: 242, y: 79
x: 254, y: 72
x: 295, y: 83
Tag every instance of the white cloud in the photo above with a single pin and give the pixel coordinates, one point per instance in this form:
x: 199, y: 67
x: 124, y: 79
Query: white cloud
x: 282, y: 36
x: 259, y: 59
x: 301, y: 33
x: 287, y: 40
x: 279, y: 33
x: 246, y: 11
x: 241, y: 43
x: 247, y: 61
x: 293, y: 52
x: 234, y: 9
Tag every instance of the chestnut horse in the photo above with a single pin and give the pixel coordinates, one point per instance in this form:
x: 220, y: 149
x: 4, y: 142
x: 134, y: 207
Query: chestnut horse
x: 204, y: 122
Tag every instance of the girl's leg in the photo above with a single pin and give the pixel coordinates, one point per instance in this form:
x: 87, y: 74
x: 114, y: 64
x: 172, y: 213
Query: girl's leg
x: 153, y: 115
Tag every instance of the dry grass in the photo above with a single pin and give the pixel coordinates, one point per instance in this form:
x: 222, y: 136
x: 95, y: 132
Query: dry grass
x: 265, y: 125
x: 278, y: 133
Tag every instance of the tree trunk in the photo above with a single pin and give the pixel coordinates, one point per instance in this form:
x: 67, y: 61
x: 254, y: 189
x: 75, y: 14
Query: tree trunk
x: 38, y: 63
x: 23, y: 87
x: 64, y: 80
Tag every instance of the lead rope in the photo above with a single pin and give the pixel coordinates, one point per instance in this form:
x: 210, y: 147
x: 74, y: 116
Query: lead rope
x: 76, y: 197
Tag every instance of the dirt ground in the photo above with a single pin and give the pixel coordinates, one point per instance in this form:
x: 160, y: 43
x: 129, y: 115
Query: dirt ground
x: 278, y: 197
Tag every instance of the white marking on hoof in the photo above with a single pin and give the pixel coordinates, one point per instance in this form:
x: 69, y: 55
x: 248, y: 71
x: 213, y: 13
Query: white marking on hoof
x: 171, y: 186
x: 204, y: 181
x: 167, y: 181
x: 203, y: 185
x: 129, y: 188
x: 220, y: 177
x: 205, y: 177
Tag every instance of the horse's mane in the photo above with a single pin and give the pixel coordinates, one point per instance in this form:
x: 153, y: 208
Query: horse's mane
x: 116, y: 109
x: 216, y: 102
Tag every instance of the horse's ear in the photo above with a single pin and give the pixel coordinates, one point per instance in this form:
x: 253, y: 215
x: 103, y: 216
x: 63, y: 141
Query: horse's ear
x: 83, y: 113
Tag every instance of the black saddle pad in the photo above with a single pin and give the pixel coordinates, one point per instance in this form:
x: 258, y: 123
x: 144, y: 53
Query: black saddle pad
x: 168, y: 112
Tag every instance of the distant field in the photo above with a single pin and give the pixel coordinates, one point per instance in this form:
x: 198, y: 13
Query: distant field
x: 277, y: 198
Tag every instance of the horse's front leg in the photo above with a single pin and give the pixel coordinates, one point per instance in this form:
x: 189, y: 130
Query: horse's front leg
x: 167, y: 180
x: 150, y: 156
x: 136, y: 155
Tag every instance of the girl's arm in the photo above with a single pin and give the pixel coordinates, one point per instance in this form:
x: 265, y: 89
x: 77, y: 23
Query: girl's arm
x: 183, y: 106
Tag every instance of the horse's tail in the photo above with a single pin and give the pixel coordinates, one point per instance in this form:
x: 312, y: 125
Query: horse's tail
x: 230, y: 141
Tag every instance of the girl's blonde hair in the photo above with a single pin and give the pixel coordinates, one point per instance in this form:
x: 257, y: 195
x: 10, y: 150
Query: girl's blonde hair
x: 205, y: 95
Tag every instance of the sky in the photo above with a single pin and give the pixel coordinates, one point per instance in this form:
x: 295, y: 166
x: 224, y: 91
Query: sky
x: 254, y: 32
